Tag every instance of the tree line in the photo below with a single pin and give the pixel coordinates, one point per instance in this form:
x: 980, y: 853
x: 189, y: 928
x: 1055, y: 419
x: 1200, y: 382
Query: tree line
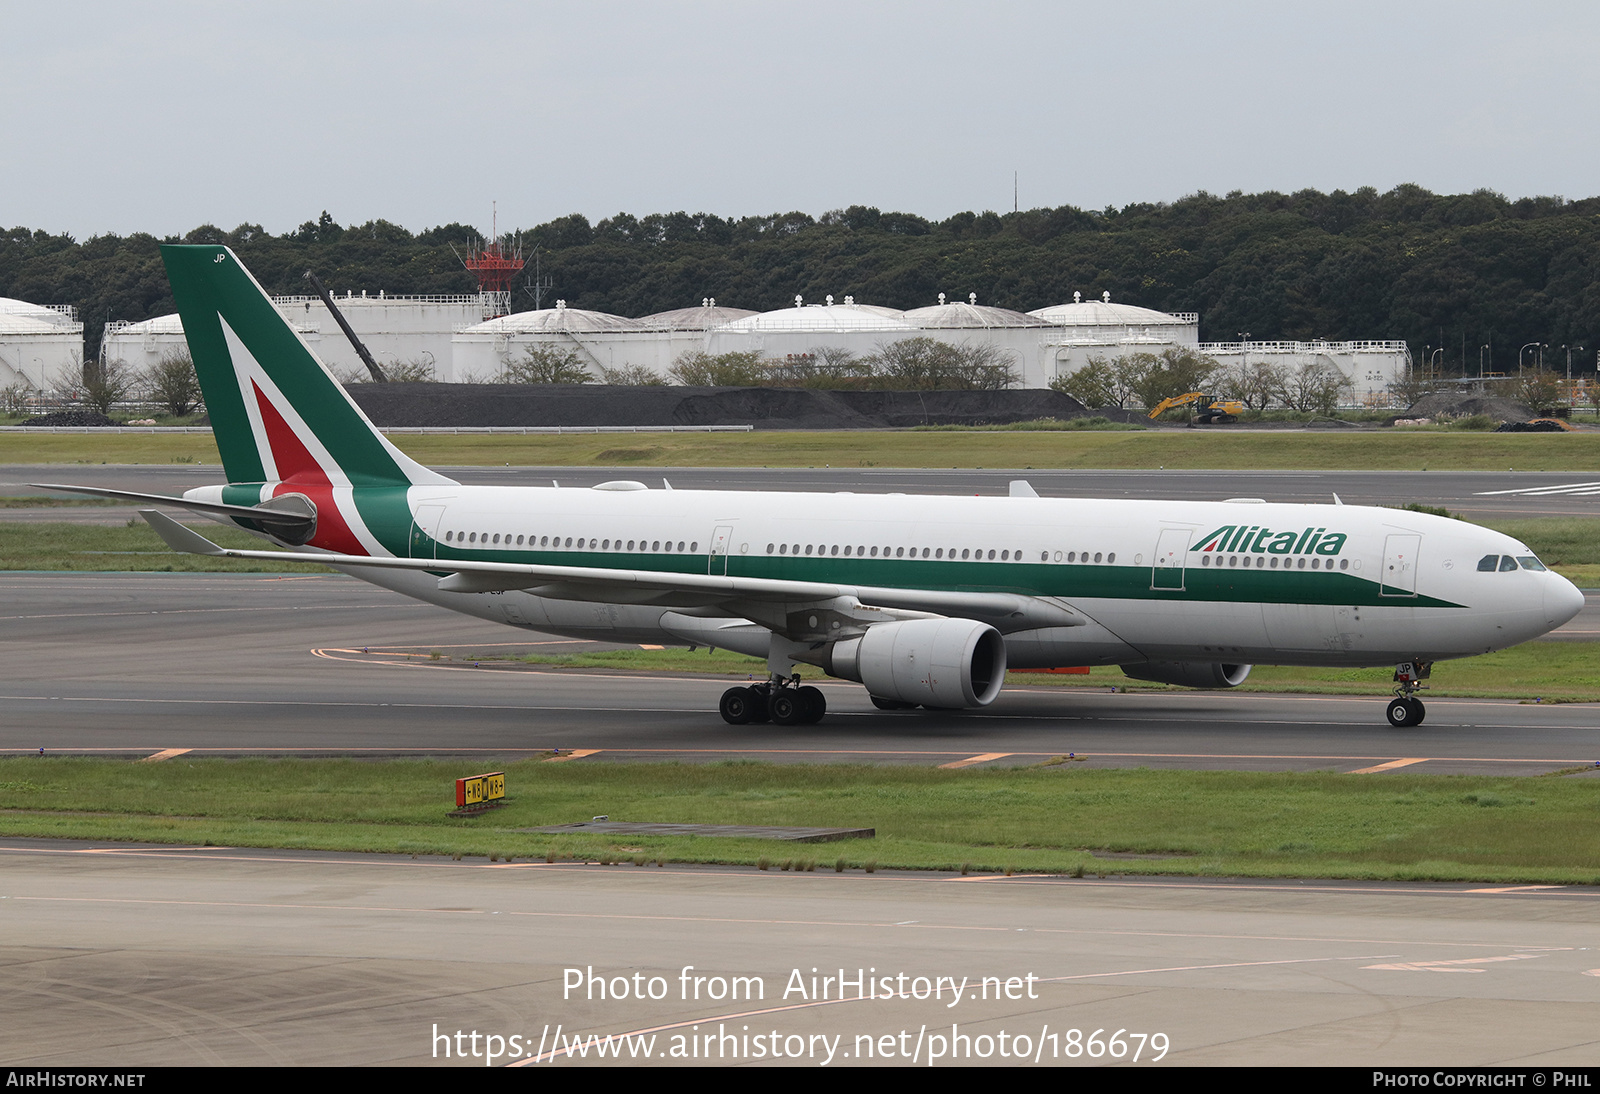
x: 1453, y: 272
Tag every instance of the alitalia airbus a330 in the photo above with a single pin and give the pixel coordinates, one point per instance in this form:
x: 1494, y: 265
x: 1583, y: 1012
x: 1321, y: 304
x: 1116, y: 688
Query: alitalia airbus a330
x: 924, y: 600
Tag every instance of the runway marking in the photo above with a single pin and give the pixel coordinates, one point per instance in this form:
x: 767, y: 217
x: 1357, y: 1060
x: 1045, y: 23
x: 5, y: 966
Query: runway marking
x: 573, y: 754
x: 1542, y: 491
x: 1390, y: 766
x: 1515, y: 888
x: 982, y: 757
x: 164, y: 754
x: 1460, y: 964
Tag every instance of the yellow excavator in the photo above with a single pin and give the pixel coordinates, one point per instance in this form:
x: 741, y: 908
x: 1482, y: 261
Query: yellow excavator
x: 1211, y: 411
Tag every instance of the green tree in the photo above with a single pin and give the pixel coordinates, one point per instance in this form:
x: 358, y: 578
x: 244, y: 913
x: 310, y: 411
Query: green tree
x: 1094, y: 384
x: 923, y: 363
x: 632, y: 376
x: 545, y: 364
x: 172, y: 384
x: 697, y: 368
x: 1540, y: 389
x: 1317, y: 387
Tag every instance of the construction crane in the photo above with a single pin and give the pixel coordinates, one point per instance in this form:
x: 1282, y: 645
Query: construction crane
x: 1212, y: 411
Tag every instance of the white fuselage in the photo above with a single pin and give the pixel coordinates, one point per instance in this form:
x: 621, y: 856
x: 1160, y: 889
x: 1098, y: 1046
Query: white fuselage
x: 1154, y: 580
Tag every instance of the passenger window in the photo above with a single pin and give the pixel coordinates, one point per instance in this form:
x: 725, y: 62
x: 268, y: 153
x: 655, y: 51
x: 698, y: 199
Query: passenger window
x: 1507, y: 563
x: 1487, y: 563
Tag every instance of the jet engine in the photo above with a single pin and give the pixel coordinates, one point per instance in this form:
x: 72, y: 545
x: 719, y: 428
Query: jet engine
x: 1189, y: 674
x: 948, y: 663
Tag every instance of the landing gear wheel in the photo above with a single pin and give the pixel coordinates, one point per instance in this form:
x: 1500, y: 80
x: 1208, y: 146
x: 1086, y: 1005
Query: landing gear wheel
x: 1406, y: 711
x: 787, y: 707
x: 741, y: 706
x: 815, y: 704
x: 736, y: 706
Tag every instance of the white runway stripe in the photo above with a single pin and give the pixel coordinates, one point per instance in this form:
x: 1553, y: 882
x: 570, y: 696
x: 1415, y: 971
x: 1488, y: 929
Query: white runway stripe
x: 1541, y: 491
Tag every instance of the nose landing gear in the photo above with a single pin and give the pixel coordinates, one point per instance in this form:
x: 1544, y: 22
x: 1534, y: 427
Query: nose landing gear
x: 1407, y: 709
x: 782, y: 701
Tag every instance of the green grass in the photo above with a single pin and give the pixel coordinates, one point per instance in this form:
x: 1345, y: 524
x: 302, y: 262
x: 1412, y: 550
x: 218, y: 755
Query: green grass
x: 51, y: 545
x: 1177, y: 449
x: 28, y: 501
x: 1043, y: 818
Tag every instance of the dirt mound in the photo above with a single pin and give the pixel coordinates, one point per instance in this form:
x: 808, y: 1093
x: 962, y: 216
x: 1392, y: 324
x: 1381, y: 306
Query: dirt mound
x: 529, y: 405
x: 1461, y: 405
x: 71, y: 417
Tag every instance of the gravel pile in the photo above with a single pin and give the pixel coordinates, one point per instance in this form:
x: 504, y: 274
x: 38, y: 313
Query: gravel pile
x: 1460, y: 405
x: 466, y: 405
x: 71, y: 417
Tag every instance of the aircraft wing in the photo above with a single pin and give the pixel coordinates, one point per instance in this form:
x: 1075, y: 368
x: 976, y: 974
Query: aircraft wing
x: 751, y: 597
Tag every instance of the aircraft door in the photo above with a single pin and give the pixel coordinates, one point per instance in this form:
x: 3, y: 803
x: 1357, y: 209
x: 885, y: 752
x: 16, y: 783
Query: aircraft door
x: 1172, y: 552
x: 1400, y: 565
x: 425, y: 530
x: 721, y: 543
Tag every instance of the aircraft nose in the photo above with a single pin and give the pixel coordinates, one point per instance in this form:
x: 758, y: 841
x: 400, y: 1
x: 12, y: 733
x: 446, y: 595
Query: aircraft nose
x: 1562, y: 601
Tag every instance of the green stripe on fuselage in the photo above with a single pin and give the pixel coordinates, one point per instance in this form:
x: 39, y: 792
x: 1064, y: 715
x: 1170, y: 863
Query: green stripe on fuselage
x: 1066, y: 580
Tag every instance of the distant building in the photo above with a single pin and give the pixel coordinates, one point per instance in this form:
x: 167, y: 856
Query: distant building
x: 450, y: 338
x: 1370, y: 366
x: 1086, y: 329
x: 397, y: 330
x: 39, y: 344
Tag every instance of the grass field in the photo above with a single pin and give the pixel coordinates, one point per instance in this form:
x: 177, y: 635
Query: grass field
x: 1176, y: 449
x: 55, y: 545
x: 1047, y: 818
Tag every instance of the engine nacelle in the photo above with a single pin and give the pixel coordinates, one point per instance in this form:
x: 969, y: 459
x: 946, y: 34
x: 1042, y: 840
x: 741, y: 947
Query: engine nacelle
x: 949, y: 663
x: 1189, y: 674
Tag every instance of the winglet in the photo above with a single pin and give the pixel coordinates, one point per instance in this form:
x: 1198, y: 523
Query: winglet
x: 178, y: 537
x: 1022, y: 488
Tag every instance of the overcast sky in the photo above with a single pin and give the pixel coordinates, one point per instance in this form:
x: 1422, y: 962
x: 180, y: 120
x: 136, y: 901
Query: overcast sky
x: 165, y: 115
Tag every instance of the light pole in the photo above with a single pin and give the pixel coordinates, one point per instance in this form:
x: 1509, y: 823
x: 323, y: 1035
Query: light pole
x: 1481, y: 350
x: 1520, y: 352
x: 1433, y: 368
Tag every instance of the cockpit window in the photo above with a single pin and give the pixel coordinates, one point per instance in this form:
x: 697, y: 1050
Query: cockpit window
x: 1530, y: 563
x: 1507, y: 563
x: 1487, y: 563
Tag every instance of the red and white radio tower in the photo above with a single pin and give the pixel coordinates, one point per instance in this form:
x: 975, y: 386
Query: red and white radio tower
x: 494, y: 268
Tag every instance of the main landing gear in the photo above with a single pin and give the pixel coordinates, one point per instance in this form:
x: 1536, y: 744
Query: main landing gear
x: 1407, y: 709
x: 781, y: 701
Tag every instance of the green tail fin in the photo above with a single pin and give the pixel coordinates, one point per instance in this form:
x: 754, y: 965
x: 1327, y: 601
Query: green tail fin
x: 277, y: 412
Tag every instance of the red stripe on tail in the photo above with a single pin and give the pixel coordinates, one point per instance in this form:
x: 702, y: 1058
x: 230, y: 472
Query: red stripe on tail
x: 300, y: 473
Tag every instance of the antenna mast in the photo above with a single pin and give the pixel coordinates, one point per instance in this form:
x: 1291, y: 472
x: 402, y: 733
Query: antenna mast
x: 494, y: 266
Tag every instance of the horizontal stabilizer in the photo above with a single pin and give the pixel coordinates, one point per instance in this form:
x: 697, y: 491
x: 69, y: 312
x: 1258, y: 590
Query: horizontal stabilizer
x: 278, y: 518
